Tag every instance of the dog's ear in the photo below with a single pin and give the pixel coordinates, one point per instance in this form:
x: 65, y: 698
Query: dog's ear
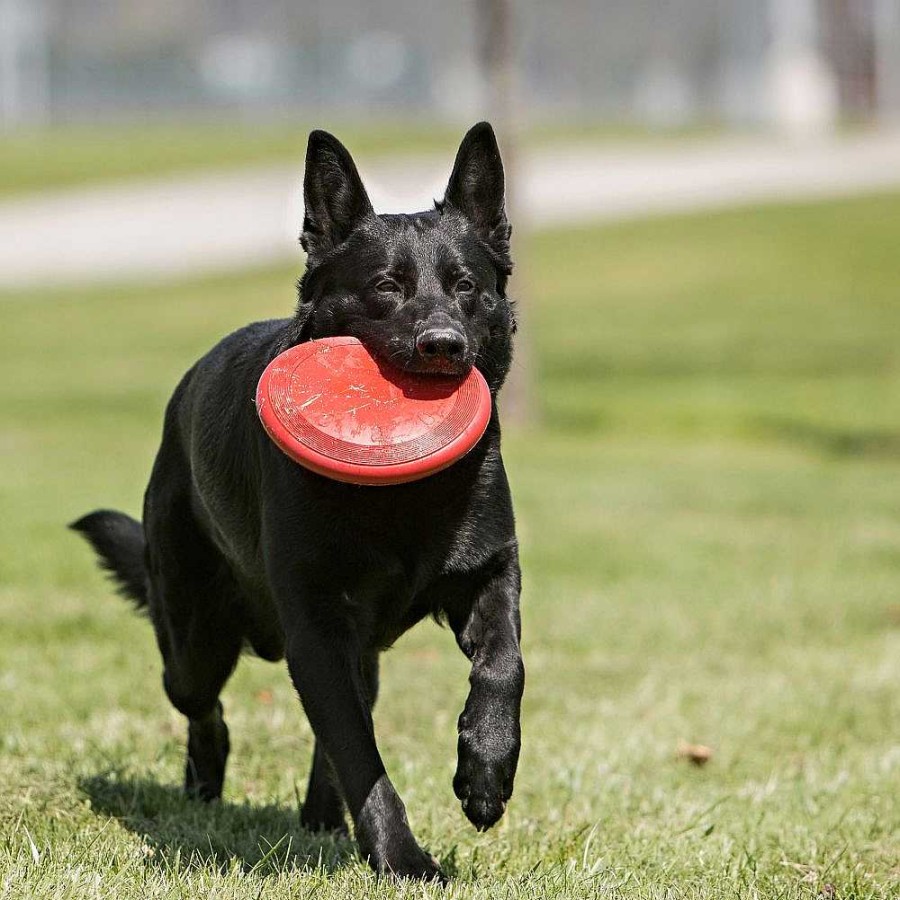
x: 477, y: 187
x: 334, y: 198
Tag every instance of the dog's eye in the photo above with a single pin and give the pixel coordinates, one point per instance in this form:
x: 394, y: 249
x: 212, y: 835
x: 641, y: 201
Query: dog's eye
x: 464, y: 286
x: 387, y: 286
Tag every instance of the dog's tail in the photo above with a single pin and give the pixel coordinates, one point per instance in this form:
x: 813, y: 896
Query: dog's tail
x: 119, y: 542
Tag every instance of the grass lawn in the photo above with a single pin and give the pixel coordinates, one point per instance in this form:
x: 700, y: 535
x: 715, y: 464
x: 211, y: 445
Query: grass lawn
x: 68, y: 156
x: 75, y: 155
x: 710, y: 519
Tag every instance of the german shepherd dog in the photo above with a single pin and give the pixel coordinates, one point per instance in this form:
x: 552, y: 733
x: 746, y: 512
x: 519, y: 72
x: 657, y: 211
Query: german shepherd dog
x: 242, y: 548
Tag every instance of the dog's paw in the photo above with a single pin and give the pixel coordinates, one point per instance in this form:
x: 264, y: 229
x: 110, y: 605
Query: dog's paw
x: 483, y: 811
x: 409, y: 862
x: 399, y: 855
x: 323, y: 809
x: 484, y: 776
x: 385, y: 840
x: 324, y: 821
x: 207, y: 754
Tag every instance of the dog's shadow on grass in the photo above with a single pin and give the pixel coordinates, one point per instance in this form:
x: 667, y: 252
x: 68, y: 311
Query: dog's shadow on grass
x: 180, y: 833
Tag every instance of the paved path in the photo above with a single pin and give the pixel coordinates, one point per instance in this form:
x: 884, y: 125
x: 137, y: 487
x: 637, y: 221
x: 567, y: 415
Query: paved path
x: 216, y: 222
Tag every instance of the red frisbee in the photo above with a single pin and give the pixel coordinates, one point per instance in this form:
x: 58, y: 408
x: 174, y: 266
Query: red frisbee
x: 335, y: 409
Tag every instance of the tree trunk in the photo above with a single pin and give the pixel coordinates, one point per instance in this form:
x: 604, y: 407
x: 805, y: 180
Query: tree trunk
x: 497, y: 58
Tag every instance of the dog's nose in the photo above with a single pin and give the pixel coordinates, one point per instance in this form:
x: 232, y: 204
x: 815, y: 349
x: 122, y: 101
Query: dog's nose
x: 436, y: 344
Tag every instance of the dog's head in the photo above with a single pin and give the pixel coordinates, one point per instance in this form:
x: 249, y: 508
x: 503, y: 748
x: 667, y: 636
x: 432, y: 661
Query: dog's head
x: 425, y: 291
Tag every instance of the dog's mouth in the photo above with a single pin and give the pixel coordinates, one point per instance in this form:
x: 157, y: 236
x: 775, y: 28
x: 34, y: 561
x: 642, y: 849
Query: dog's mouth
x: 409, y: 359
x: 441, y: 366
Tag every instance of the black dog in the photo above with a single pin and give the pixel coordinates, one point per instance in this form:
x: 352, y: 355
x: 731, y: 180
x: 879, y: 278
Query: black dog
x: 240, y: 547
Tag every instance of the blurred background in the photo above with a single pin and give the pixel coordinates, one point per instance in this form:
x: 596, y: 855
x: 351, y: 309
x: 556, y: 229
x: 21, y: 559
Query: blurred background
x: 702, y: 428
x: 790, y: 63
x: 645, y: 107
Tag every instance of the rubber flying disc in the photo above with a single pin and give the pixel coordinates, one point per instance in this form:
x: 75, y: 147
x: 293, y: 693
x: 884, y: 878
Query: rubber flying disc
x: 334, y: 408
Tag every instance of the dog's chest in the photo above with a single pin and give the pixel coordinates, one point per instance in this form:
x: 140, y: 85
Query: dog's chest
x: 395, y: 561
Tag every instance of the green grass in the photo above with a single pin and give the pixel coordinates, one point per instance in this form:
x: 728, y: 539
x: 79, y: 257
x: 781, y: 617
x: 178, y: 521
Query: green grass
x: 710, y: 519
x: 78, y: 155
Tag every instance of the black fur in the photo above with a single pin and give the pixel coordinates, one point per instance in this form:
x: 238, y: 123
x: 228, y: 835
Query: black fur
x: 242, y: 547
x: 119, y: 542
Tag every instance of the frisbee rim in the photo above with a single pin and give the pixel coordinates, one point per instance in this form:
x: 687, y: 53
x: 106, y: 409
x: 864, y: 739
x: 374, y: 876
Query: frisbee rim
x: 375, y: 474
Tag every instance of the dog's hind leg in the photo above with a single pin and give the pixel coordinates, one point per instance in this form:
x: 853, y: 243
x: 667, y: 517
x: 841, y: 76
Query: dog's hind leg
x: 198, y: 661
x: 194, y: 607
x: 323, y: 808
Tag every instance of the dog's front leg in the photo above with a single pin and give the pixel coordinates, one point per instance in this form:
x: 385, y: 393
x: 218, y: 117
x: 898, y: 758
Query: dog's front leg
x: 488, y: 631
x: 326, y: 665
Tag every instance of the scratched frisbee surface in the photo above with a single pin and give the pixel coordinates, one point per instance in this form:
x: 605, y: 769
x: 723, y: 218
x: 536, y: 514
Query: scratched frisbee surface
x: 334, y: 408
